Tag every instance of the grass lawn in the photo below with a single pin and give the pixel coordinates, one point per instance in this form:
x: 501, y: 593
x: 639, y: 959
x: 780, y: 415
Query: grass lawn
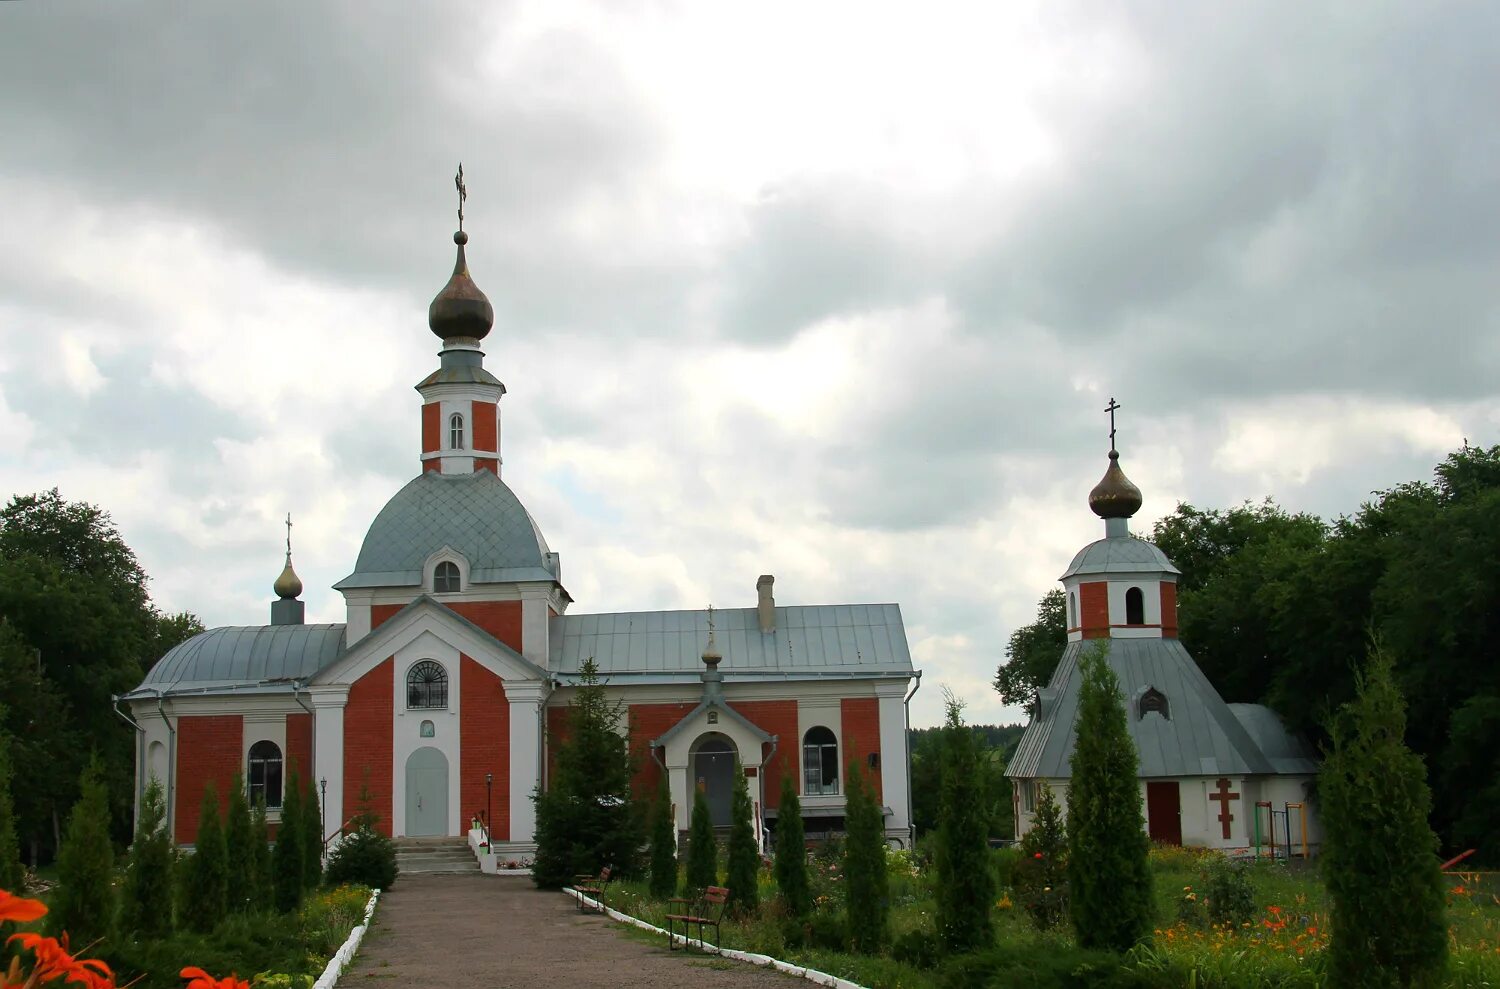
x: 1283, y: 946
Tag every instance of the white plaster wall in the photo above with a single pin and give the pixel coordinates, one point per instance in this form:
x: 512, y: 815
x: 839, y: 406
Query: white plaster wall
x: 812, y: 712
x: 405, y: 730
x: 534, y: 630
x: 268, y: 727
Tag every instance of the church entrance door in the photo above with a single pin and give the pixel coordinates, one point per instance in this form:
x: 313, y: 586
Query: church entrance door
x: 713, y: 773
x: 1164, y: 813
x: 427, y: 792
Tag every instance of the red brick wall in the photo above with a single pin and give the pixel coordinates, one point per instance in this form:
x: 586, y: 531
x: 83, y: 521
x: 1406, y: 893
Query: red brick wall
x: 485, y: 427
x: 1168, y: 609
x: 487, y: 463
x: 777, y: 718
x: 861, y: 718
x: 209, y: 748
x: 648, y: 721
x: 431, y: 427
x: 380, y: 612
x: 299, y: 753
x: 368, y: 743
x: 1093, y: 605
x: 502, y: 619
x: 484, y: 746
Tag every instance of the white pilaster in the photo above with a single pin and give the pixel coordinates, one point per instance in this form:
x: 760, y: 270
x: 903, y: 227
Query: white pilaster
x: 526, y: 700
x: 534, y: 630
x: 894, y: 771
x: 328, y: 744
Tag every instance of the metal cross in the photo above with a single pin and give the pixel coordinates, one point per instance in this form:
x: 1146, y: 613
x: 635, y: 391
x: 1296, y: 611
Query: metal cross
x: 1111, y: 408
x: 288, y: 535
x: 710, y: 619
x: 463, y: 193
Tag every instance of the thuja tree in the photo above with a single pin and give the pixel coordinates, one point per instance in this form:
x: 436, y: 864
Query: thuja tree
x: 965, y: 884
x: 791, y: 852
x: 703, y: 853
x: 11, y: 875
x: 586, y: 819
x: 1042, y: 875
x: 866, y: 883
x: 84, y: 904
x: 1109, y: 874
x: 262, y: 893
x: 312, y: 838
x: 237, y: 840
x: 146, y: 906
x: 286, y: 857
x: 744, y: 855
x: 1379, y: 854
x: 663, y: 844
x: 205, y: 884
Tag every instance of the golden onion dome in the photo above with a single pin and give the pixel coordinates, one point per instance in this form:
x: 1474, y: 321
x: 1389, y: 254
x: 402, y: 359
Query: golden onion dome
x: 460, y: 309
x: 288, y: 585
x: 1115, y: 497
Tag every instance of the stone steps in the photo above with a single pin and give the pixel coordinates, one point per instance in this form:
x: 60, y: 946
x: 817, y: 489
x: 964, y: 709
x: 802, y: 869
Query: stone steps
x: 435, y: 855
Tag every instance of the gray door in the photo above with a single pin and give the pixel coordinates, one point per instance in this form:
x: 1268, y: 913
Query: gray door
x: 713, y: 771
x: 427, y: 792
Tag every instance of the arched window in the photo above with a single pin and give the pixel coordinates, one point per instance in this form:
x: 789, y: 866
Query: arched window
x: 455, y: 432
x: 820, y: 761
x: 265, y: 773
x: 445, y: 577
x: 1154, y: 700
x: 1072, y: 609
x: 427, y: 686
x: 1135, y: 607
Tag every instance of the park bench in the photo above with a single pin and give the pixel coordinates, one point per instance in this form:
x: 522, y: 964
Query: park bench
x: 593, y: 886
x: 704, y: 911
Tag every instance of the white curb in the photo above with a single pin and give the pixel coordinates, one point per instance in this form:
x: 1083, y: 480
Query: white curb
x: 341, y: 958
x: 810, y: 974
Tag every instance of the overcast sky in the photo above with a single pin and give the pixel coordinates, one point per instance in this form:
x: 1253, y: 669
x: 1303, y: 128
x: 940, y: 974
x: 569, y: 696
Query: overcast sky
x: 836, y: 292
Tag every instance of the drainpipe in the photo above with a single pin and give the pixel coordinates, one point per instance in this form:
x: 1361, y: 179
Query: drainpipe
x: 140, y: 755
x: 911, y: 825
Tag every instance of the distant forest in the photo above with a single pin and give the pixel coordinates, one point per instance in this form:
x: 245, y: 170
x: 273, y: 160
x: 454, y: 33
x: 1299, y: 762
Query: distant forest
x: 998, y: 742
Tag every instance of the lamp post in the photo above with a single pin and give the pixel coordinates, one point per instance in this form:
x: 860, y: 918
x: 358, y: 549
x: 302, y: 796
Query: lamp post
x: 489, y: 779
x: 323, y: 814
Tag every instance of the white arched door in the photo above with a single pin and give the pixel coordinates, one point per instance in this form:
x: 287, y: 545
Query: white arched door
x: 427, y: 792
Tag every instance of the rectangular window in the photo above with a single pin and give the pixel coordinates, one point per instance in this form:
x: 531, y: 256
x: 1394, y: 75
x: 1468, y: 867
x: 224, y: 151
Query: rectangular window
x: 820, y: 768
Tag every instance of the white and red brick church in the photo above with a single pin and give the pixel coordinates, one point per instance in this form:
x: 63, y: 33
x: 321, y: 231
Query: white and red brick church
x: 460, y: 650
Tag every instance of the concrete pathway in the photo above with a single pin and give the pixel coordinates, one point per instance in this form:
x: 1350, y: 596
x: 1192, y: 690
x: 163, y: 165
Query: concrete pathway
x: 498, y: 932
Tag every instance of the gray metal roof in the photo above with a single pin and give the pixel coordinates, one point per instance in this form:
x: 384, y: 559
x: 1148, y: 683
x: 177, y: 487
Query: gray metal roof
x: 1202, y: 736
x: 1287, y: 752
x: 865, y: 640
x: 1119, y: 554
x: 244, y: 656
x: 475, y: 514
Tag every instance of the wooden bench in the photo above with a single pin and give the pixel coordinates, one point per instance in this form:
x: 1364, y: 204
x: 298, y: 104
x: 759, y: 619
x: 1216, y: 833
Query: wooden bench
x: 593, y: 886
x: 704, y: 911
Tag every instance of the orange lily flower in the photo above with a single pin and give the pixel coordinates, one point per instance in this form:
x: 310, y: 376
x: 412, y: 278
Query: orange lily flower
x: 53, y: 961
x: 15, y: 908
x: 200, y: 979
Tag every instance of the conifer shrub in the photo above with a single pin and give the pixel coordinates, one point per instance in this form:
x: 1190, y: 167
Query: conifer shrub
x: 791, y: 852
x: 1380, y: 857
x: 262, y: 890
x: 744, y: 855
x: 312, y: 838
x: 364, y: 855
x: 286, y: 856
x: 663, y: 844
x: 84, y: 904
x: 703, y: 853
x: 965, y: 883
x: 587, y: 819
x: 241, y: 861
x: 11, y: 874
x: 866, y: 889
x: 205, y: 873
x: 146, y: 904
x: 1109, y: 874
x: 1041, y: 871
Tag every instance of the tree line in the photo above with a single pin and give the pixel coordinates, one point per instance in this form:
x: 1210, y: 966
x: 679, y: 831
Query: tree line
x: 1279, y: 608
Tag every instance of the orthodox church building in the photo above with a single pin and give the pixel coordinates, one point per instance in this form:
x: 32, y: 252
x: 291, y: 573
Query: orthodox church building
x: 442, y: 690
x: 1215, y: 775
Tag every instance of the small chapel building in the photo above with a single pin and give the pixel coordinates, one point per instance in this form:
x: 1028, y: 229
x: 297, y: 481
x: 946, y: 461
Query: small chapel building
x: 1213, y: 775
x: 441, y: 692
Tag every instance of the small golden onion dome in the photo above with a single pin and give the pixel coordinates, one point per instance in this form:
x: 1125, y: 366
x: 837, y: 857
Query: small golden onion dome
x: 288, y: 585
x: 460, y: 309
x: 1114, y: 497
x: 711, y: 655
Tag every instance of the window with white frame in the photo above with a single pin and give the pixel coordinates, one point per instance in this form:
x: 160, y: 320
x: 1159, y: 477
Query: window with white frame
x: 445, y: 577
x: 455, y: 432
x: 427, y: 686
x: 265, y: 774
x: 820, y: 761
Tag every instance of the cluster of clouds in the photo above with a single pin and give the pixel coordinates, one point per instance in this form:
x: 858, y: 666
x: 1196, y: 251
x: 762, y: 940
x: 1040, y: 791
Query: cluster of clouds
x: 836, y: 293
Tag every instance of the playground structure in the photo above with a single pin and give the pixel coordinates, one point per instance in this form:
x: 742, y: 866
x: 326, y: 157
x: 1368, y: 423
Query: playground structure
x: 1268, y: 839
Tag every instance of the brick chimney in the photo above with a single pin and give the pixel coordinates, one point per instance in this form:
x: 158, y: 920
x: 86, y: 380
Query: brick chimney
x: 766, y: 605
